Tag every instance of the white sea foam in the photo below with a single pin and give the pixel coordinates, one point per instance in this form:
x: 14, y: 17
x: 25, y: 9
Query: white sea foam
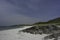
x: 13, y: 34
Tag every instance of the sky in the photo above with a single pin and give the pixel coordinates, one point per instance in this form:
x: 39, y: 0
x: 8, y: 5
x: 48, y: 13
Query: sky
x: 14, y: 12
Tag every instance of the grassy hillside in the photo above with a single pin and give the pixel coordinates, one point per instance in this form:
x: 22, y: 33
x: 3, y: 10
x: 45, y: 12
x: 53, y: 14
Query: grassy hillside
x: 57, y: 20
x: 53, y: 21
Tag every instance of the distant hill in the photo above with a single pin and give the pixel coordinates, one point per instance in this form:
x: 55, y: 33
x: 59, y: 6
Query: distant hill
x: 56, y: 20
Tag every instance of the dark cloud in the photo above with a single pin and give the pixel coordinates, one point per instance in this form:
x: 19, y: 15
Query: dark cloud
x: 28, y: 11
x: 38, y: 8
x: 9, y: 15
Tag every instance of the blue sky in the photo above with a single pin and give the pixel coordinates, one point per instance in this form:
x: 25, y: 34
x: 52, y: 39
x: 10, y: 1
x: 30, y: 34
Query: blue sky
x: 28, y: 11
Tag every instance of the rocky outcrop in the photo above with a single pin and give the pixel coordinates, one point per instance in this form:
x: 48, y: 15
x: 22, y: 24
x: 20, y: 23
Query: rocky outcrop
x: 41, y: 29
x: 50, y: 29
x: 54, y: 35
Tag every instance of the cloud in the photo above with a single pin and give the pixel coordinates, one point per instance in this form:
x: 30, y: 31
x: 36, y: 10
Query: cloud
x: 38, y: 8
x: 9, y: 15
x: 28, y: 11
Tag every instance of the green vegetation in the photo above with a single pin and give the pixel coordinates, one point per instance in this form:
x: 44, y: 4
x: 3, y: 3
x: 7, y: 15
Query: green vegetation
x: 53, y: 21
x: 57, y: 20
